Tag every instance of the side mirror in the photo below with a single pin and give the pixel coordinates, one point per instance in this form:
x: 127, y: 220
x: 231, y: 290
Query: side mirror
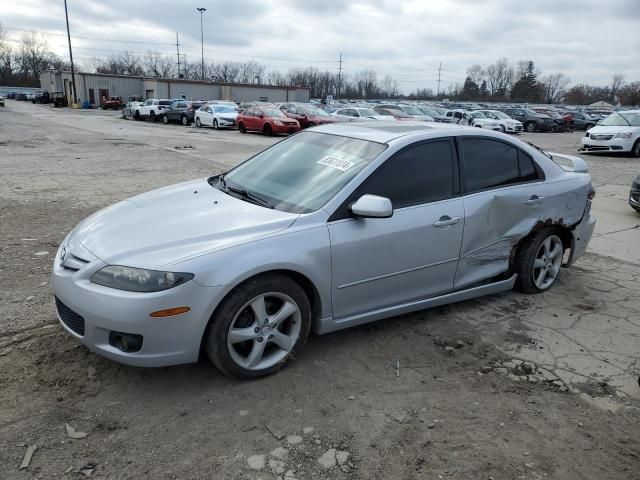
x: 372, y: 206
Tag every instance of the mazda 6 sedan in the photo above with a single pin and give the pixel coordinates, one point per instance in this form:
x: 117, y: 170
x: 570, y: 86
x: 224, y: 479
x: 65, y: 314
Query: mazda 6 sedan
x: 333, y: 227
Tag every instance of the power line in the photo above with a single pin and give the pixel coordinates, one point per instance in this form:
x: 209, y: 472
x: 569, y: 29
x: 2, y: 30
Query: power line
x: 439, y: 71
x: 178, y: 51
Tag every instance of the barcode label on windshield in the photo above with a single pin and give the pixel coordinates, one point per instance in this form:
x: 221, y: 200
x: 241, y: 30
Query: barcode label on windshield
x: 337, y: 163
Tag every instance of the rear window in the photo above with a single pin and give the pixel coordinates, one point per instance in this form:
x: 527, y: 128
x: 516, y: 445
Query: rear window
x: 165, y: 102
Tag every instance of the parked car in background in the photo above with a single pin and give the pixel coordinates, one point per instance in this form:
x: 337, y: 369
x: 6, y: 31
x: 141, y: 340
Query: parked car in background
x: 41, y: 97
x: 583, y: 121
x: 309, y: 116
x: 1, y: 101
x: 181, y: 111
x: 416, y: 113
x: 216, y: 116
x: 634, y: 194
x: 472, y: 119
x: 153, y: 109
x: 268, y: 120
x: 358, y: 113
x: 228, y: 103
x: 113, y: 103
x: 561, y: 124
x: 619, y: 132
x: 22, y: 97
x: 394, y: 113
x: 437, y: 115
x: 507, y: 124
x: 326, y: 230
x: 531, y: 121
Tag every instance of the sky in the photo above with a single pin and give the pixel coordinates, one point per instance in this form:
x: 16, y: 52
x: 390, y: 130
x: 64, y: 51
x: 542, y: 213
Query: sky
x: 587, y: 40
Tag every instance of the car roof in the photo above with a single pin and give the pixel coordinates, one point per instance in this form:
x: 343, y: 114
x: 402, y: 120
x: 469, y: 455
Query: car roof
x: 383, y: 131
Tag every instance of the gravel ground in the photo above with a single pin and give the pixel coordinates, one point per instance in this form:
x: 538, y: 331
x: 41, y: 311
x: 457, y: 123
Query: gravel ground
x: 504, y: 387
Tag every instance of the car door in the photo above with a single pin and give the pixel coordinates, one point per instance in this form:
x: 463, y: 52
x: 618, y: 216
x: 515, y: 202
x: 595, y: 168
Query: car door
x: 504, y: 197
x: 414, y: 253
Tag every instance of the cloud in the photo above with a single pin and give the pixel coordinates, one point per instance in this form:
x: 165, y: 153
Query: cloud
x: 585, y: 39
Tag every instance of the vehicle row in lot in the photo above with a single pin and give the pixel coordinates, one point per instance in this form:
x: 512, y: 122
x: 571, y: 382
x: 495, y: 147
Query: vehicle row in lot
x: 340, y: 225
x: 619, y: 132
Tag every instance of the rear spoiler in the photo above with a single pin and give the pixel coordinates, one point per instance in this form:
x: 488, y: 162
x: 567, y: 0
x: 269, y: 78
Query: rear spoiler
x: 570, y: 163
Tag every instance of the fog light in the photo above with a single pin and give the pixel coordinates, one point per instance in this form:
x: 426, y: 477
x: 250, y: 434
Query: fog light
x: 125, y: 342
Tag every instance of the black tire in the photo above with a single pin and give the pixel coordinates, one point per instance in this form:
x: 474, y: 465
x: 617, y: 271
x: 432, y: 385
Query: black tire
x: 136, y: 115
x: 525, y: 258
x: 311, y: 125
x: 165, y: 119
x: 215, y: 124
x: 267, y: 130
x: 198, y: 122
x: 152, y: 116
x: 216, y: 334
x: 502, y: 129
x: 530, y: 127
x: 184, y: 120
x: 588, y: 126
x: 635, y: 150
x: 242, y: 128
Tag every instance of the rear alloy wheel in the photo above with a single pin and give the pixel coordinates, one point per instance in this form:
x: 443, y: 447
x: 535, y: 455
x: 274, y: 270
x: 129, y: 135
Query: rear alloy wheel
x: 215, y: 124
x: 184, y: 120
x: 152, y: 116
x: 165, y: 119
x: 539, y: 261
x: 198, y: 124
x: 267, y: 130
x: 502, y: 129
x: 258, y: 327
x: 530, y: 127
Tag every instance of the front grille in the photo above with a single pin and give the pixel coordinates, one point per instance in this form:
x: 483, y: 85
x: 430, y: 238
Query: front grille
x: 596, y: 148
x: 595, y: 136
x: 70, y: 318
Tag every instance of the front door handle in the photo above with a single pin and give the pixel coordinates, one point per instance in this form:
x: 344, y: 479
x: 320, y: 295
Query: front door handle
x: 534, y: 200
x: 446, y: 220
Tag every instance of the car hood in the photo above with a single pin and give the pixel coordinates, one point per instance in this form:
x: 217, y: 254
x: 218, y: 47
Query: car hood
x: 605, y: 129
x: 175, y: 223
x: 313, y: 118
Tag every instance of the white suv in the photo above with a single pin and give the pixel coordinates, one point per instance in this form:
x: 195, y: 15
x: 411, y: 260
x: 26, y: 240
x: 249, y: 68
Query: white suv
x: 152, y: 109
x: 619, y: 132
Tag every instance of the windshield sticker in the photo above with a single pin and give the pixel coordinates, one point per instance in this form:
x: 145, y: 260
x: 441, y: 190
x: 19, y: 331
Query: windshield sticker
x: 337, y: 163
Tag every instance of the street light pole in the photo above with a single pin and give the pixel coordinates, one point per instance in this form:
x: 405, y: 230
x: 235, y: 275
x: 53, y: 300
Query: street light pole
x: 73, y: 74
x: 201, y: 10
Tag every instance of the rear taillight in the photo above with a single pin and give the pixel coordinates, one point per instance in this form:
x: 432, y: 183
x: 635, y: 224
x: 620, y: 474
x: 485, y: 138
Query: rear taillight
x: 592, y: 193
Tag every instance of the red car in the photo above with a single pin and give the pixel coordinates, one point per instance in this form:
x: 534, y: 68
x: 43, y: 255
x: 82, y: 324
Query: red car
x: 397, y: 114
x: 268, y: 120
x: 310, y: 116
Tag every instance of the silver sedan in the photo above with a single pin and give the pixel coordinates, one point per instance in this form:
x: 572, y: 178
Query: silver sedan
x: 336, y: 226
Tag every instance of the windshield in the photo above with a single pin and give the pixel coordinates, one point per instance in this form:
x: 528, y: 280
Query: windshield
x: 316, y: 112
x: 223, y: 109
x: 272, y: 112
x: 367, y: 112
x: 397, y: 113
x: 495, y: 114
x: 413, y: 110
x: 301, y: 174
x: 624, y: 119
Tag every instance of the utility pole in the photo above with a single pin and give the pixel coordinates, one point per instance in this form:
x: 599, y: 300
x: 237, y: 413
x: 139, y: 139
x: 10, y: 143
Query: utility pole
x: 202, y: 10
x: 339, y: 76
x: 73, y: 73
x: 439, y: 70
x: 178, y: 52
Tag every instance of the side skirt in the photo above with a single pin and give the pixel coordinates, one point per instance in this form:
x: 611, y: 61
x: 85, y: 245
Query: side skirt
x: 327, y: 325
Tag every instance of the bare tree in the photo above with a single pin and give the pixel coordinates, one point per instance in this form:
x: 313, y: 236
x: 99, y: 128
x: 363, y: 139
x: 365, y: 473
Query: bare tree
x: 226, y: 71
x: 617, y: 81
x: 476, y: 73
x: 390, y: 87
x: 158, y: 65
x: 500, y: 76
x: 122, y: 64
x: 555, y: 86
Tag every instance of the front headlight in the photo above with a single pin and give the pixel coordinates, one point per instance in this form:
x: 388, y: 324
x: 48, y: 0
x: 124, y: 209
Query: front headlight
x: 626, y: 135
x: 278, y: 122
x: 138, y: 280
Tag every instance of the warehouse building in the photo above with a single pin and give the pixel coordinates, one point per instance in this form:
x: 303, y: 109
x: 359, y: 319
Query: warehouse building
x: 94, y: 87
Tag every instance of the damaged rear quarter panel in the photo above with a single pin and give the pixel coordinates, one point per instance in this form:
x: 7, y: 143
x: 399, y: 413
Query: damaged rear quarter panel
x: 496, y: 221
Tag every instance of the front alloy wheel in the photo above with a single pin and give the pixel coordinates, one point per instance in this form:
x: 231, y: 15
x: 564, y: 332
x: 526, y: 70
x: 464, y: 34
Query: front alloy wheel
x: 258, y: 327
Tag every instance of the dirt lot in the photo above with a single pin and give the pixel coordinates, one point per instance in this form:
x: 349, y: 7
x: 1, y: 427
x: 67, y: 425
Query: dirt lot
x: 440, y: 394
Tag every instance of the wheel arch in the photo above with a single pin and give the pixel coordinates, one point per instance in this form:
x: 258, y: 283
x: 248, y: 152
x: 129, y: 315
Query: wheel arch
x: 558, y: 226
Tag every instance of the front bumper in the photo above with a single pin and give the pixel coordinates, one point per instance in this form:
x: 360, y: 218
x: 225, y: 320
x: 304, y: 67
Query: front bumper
x: 91, y: 312
x: 581, y: 234
x: 285, y: 128
x: 226, y: 122
x: 612, y: 145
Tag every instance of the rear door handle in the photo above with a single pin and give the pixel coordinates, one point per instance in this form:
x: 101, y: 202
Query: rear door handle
x: 446, y: 220
x: 534, y: 200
